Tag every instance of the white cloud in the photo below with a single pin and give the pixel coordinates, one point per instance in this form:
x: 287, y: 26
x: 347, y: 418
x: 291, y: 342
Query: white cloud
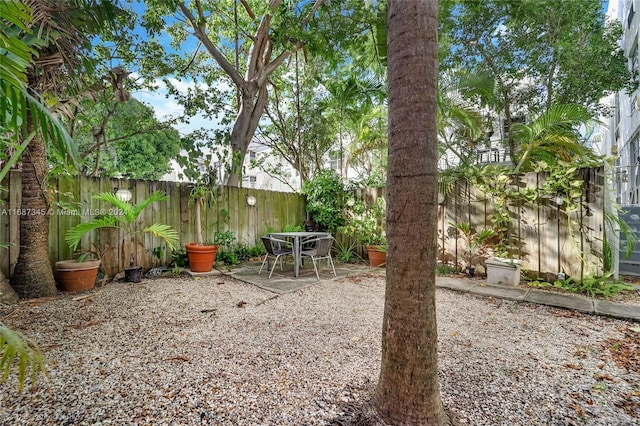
x: 166, y: 106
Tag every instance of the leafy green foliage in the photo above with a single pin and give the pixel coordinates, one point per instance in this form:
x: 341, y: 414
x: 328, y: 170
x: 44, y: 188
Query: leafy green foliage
x: 325, y: 197
x: 179, y: 258
x: 478, y: 242
x: 590, y: 285
x: 16, y: 102
x: 287, y: 228
x: 445, y: 270
x: 367, y: 223
x: 237, y: 254
x: 566, y: 50
x: 124, y: 139
x: 15, y: 349
x: 552, y: 136
x: 345, y: 251
x: 127, y: 221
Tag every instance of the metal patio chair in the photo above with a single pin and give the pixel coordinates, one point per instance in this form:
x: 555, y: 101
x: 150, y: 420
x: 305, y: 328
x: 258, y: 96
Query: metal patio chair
x: 319, y: 251
x: 276, y: 249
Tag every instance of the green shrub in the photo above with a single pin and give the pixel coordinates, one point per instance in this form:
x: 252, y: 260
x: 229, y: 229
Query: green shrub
x: 446, y: 270
x: 179, y: 258
x: 325, y: 197
x: 594, y: 286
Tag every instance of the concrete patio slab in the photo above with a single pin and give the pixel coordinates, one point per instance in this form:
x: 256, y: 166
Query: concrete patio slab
x: 284, y: 281
x: 454, y: 284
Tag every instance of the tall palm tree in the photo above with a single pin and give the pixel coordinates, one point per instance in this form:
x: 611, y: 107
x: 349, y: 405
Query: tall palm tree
x: 408, y: 392
x: 63, y: 30
x: 16, y: 58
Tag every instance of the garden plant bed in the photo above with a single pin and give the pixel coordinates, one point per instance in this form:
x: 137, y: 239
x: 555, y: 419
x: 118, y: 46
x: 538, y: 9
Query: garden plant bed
x: 628, y: 297
x: 219, y: 351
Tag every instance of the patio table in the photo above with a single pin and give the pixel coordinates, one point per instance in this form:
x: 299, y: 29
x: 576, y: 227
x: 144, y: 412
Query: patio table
x: 297, y: 240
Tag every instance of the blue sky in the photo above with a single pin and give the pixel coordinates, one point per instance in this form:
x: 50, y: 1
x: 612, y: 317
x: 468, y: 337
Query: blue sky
x: 166, y: 106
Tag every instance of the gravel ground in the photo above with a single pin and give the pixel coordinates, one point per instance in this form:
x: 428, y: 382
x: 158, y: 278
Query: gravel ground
x: 216, y: 351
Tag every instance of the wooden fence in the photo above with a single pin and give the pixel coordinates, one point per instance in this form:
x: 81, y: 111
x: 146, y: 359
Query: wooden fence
x: 545, y: 239
x: 273, y: 210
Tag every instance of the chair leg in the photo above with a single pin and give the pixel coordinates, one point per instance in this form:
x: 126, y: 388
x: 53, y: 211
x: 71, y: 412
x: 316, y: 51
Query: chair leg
x: 263, y: 262
x: 315, y: 267
x: 275, y: 262
x: 332, y: 267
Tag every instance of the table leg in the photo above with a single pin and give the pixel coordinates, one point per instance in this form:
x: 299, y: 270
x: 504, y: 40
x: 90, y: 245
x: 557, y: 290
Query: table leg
x: 296, y: 256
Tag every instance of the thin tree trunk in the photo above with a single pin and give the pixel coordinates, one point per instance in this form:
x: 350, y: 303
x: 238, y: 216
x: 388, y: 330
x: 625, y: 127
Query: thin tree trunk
x: 408, y: 392
x: 33, y: 276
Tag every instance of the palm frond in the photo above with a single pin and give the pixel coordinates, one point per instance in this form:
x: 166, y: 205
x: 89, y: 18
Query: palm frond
x: 553, y: 134
x: 124, y: 206
x: 14, y: 348
x: 156, y: 196
x: 165, y: 232
x: 74, y: 235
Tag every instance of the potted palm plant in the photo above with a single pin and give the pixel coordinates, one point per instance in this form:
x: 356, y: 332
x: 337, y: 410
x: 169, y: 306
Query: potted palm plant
x: 125, y: 217
x: 201, y: 253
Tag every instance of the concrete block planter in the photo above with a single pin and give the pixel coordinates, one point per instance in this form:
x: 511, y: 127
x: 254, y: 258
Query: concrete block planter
x: 503, y: 271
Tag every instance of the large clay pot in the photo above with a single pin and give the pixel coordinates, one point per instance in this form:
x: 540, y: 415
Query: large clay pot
x: 201, y: 257
x: 77, y: 276
x: 376, y: 256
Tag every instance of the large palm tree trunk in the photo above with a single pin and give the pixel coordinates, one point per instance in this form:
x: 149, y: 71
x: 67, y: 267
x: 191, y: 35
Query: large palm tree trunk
x: 408, y: 392
x: 33, y: 276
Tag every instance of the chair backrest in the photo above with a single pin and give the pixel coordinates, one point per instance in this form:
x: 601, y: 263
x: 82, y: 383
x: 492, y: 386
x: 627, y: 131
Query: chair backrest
x: 274, y: 245
x: 323, y: 246
x: 269, y: 245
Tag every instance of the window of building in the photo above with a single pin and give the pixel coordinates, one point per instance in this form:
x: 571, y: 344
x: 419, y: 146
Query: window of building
x: 335, y: 162
x: 635, y: 62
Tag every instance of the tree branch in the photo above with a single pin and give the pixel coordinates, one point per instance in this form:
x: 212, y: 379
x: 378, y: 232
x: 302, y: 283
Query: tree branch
x: 200, y: 31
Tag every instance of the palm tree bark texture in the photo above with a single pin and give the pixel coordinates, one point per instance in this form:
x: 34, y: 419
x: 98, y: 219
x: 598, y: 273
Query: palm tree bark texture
x: 408, y: 392
x: 33, y: 276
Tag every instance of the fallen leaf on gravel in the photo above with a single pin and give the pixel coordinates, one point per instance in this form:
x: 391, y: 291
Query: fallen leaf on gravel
x: 630, y: 407
x: 606, y: 377
x: 573, y: 366
x: 578, y: 409
x: 626, y: 351
x: 635, y: 329
x: 177, y: 358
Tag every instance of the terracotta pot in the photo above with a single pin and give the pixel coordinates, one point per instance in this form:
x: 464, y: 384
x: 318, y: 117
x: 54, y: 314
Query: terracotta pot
x: 201, y: 257
x: 376, y: 256
x: 77, y: 276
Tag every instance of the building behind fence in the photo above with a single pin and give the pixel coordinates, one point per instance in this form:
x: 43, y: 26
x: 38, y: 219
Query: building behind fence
x: 547, y: 241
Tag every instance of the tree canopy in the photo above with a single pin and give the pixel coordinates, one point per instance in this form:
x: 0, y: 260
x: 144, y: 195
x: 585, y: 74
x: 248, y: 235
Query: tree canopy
x: 227, y: 51
x: 124, y: 140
